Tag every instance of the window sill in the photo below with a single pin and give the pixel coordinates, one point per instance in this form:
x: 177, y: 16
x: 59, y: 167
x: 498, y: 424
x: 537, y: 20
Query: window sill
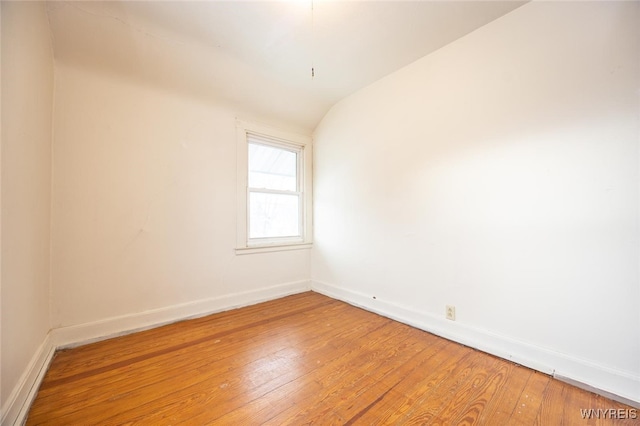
x: 272, y: 248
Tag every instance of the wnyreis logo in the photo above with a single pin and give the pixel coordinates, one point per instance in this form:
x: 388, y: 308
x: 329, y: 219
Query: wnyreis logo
x: 609, y: 413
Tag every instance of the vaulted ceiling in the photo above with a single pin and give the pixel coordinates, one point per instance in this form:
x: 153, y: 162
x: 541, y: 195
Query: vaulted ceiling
x: 258, y: 56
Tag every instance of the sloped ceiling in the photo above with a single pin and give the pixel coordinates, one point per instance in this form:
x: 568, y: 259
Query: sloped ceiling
x: 258, y: 56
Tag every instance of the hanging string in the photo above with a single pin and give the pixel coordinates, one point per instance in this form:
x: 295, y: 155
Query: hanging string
x: 313, y: 70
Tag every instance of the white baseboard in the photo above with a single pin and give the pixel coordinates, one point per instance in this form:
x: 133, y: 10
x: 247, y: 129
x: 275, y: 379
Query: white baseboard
x: 614, y: 384
x: 610, y: 383
x: 15, y: 410
x: 17, y: 406
x: 66, y: 337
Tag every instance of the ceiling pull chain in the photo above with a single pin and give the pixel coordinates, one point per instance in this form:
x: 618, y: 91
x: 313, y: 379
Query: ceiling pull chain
x: 313, y: 70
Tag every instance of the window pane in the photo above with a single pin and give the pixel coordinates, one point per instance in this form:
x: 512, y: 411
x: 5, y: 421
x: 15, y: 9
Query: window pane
x: 273, y: 215
x: 272, y: 168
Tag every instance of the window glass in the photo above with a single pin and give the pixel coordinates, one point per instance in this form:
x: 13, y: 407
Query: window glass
x: 273, y: 215
x: 272, y: 168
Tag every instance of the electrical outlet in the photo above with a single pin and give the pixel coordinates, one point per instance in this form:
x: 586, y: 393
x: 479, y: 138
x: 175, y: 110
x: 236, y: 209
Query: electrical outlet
x: 451, y: 312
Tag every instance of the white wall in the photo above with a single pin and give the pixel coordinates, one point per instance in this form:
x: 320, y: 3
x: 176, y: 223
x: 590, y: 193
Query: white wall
x: 144, y: 207
x: 27, y: 99
x: 500, y: 175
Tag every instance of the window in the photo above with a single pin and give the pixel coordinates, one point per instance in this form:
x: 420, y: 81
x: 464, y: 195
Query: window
x: 274, y: 190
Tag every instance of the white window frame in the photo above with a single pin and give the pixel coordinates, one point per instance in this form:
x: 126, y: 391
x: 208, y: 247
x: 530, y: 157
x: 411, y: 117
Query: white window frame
x: 284, y: 140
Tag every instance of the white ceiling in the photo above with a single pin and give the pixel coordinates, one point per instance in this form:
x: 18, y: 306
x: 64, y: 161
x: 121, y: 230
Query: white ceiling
x: 258, y: 56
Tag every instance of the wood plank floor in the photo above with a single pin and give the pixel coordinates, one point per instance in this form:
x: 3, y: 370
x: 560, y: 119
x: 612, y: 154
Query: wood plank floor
x: 302, y: 359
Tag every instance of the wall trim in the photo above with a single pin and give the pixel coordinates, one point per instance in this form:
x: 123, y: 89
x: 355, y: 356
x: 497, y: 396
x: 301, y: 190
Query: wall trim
x: 76, y: 335
x: 618, y: 385
x: 614, y: 384
x: 17, y: 406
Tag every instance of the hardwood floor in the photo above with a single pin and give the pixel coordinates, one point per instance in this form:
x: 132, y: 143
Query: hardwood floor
x: 303, y: 359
